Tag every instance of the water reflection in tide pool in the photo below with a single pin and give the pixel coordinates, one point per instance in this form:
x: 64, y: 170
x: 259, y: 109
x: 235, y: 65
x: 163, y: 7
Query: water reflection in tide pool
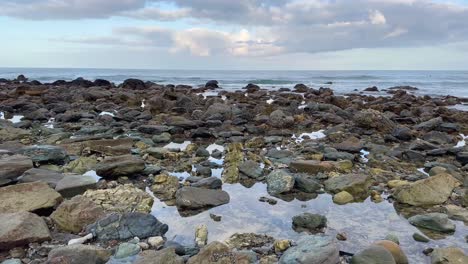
x: 363, y: 223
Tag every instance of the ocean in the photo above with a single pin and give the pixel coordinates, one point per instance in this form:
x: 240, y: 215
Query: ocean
x: 434, y: 83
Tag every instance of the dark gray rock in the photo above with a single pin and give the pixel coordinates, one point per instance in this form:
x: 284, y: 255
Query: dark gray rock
x: 209, y: 183
x: 306, y: 184
x: 47, y: 176
x: 197, y: 198
x: 46, y: 154
x: 11, y: 167
x: 251, y: 169
x: 309, y: 222
x: 279, y: 181
x: 312, y: 250
x: 433, y: 221
x: 128, y: 225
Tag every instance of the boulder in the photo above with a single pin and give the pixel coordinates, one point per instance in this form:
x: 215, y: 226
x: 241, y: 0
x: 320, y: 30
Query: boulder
x: 215, y: 252
x: 127, y: 225
x: 11, y: 167
x: 166, y: 256
x: 197, y: 198
x: 309, y: 222
x: 373, y: 255
x: 46, y: 154
x: 312, y: 250
x: 126, y: 165
x: 133, y: 84
x: 251, y: 169
x: 126, y: 250
x: 31, y: 197
x: 352, y: 144
x: 20, y: 229
x: 373, y: 119
x: 311, y: 167
x: 396, y: 251
x: 72, y: 185
x: 430, y: 191
x: 343, y: 197
x: 209, y: 183
x: 450, y: 255
x: 279, y: 119
x: 306, y: 184
x: 433, y: 221
x: 279, y: 181
x: 355, y: 184
x: 80, y: 165
x: 242, y: 241
x: 123, y: 198
x: 78, y: 254
x: 165, y: 186
x: 47, y: 176
x: 72, y: 215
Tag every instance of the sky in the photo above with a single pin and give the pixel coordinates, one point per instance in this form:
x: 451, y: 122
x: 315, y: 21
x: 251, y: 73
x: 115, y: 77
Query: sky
x: 235, y: 34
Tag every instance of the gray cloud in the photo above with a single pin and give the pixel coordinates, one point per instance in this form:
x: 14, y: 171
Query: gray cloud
x: 274, y: 26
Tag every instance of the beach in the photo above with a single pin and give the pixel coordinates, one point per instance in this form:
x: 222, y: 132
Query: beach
x: 265, y: 168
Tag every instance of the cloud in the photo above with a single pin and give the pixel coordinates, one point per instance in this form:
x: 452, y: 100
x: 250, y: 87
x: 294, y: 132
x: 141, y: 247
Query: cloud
x: 263, y: 27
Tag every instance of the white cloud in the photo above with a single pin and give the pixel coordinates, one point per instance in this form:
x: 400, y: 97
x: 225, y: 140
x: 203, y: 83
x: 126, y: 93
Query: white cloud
x: 377, y: 18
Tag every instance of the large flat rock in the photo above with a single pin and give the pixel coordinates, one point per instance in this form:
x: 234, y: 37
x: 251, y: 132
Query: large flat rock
x: 29, y: 197
x: 11, y: 167
x: 22, y: 228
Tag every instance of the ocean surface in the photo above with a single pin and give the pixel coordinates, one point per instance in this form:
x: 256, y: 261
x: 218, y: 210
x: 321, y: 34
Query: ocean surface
x: 434, y: 83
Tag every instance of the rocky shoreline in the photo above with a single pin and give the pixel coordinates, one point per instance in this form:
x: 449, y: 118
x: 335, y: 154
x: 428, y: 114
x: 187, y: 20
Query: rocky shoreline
x: 93, y: 172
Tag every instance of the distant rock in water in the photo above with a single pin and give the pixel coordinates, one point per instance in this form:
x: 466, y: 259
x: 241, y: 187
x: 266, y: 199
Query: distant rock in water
x: 405, y: 87
x: 133, y: 84
x: 212, y: 84
x: 371, y: 89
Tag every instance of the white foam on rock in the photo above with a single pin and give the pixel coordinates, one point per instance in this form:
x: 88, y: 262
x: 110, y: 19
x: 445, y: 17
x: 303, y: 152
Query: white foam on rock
x: 2, y: 115
x: 181, y: 146
x: 106, y: 113
x: 462, y: 142
x: 214, y: 147
x: 93, y: 175
x: 313, y: 135
x: 364, y: 155
x: 270, y: 101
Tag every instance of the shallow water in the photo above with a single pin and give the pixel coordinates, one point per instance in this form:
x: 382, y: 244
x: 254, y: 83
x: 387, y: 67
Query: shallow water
x: 363, y: 222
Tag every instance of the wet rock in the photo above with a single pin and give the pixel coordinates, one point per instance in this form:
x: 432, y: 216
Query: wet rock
x: 403, y: 133
x: 72, y: 185
x: 279, y: 119
x: 420, y: 238
x: 430, y: 124
x: 343, y: 197
x: 42, y: 175
x: 166, y: 256
x: 215, y: 252
x: 126, y: 165
x: 202, y: 152
x: 312, y: 250
x: 234, y: 156
x: 433, y: 221
x: 78, y: 254
x: 271, y: 201
x: 45, y: 154
x: 430, y: 191
x: 201, y: 235
x: 249, y: 241
x: 457, y: 213
x: 158, y: 153
x: 20, y: 229
x: 72, y: 215
x: 397, y: 253
x: 197, y: 198
x: 123, y: 198
x: 279, y: 181
x: 80, y: 165
x: 211, y: 84
x: 209, y: 183
x: 165, y: 186
x: 11, y: 167
x: 450, y: 255
x: 373, y: 255
x: 351, y: 144
x: 306, y: 184
x: 355, y: 184
x: 31, y: 197
x: 126, y: 250
x: 251, y: 169
x: 311, y: 167
x: 133, y: 84
x: 281, y: 245
x: 309, y: 222
x: 127, y: 225
x: 462, y: 157
x: 162, y: 138
x: 372, y: 119
x: 279, y: 153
